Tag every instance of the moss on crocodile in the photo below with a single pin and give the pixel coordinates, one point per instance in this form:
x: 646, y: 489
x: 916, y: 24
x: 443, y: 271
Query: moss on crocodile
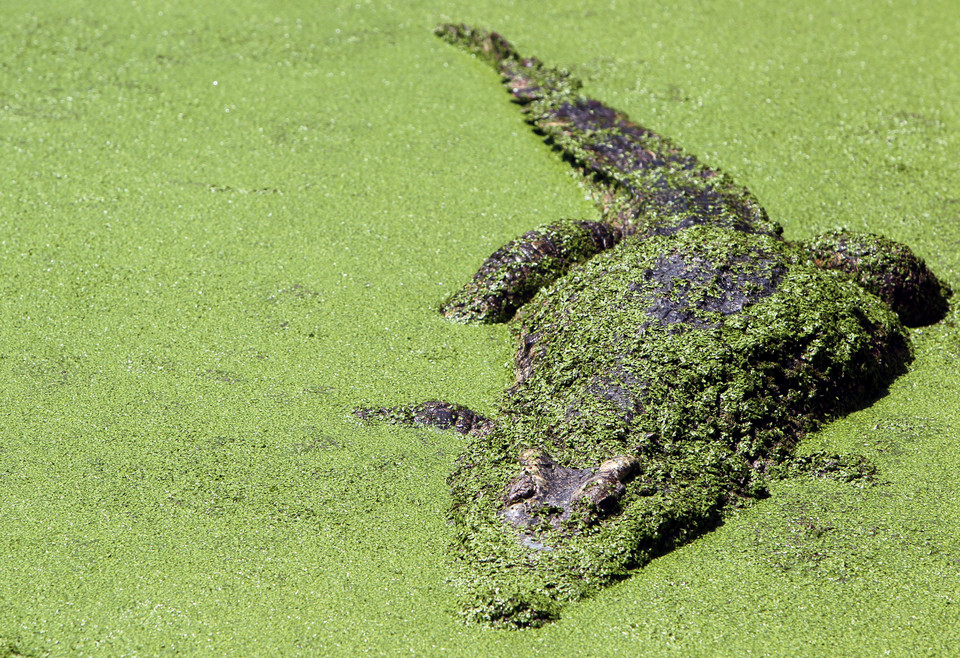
x: 514, y: 273
x: 706, y: 385
x: 669, y: 358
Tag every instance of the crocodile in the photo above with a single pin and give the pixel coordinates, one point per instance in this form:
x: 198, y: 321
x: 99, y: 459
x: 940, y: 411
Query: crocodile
x: 670, y: 355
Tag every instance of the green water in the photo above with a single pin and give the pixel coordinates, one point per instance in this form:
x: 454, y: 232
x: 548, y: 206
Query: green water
x: 224, y: 225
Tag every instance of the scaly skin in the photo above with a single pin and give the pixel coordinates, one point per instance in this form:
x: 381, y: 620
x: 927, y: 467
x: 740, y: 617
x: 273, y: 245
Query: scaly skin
x: 642, y: 182
x: 512, y: 275
x: 669, y: 359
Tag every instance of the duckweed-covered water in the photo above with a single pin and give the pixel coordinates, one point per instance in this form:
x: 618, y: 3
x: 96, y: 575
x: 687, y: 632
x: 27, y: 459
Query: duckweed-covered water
x: 224, y: 225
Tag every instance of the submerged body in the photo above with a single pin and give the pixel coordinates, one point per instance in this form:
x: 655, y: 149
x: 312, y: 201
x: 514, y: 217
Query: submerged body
x: 667, y: 356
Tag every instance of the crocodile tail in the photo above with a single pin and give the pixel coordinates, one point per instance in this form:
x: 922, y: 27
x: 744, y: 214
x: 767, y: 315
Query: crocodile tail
x: 488, y: 46
x: 526, y: 77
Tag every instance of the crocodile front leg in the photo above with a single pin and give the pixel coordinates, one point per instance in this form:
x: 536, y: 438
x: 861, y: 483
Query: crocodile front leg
x: 513, y: 274
x: 441, y: 415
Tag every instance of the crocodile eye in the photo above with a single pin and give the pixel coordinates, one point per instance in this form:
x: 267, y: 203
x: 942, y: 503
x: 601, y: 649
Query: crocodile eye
x: 520, y: 488
x: 606, y: 498
x: 608, y: 504
x: 602, y: 495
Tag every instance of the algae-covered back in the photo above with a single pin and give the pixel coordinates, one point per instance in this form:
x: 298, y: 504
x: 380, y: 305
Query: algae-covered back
x: 705, y: 356
x: 710, y: 335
